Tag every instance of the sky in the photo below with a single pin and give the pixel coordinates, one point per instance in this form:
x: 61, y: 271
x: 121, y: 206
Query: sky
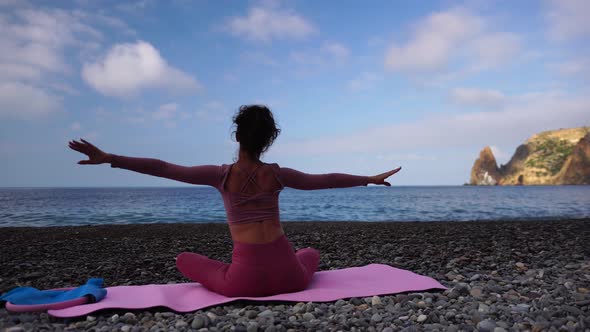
x: 356, y: 87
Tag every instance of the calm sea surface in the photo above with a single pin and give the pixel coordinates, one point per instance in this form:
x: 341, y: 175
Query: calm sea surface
x: 83, y: 206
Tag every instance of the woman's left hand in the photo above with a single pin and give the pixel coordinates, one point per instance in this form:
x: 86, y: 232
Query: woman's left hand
x: 380, y: 179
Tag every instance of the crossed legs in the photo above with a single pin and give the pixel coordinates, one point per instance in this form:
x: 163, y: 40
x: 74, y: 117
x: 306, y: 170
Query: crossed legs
x: 212, y: 273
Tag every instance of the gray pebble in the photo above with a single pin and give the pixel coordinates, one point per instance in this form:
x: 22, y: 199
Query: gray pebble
x: 266, y: 313
x: 15, y: 329
x: 308, y: 316
x: 376, y: 300
x: 486, y: 325
x: 129, y: 317
x: 252, y: 327
x: 199, y: 321
x: 376, y: 318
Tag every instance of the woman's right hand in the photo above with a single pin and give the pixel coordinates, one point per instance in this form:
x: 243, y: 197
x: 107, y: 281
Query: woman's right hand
x: 95, y: 155
x: 380, y: 179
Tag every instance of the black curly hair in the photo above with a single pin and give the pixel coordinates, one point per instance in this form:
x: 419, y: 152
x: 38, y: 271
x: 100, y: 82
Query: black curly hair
x: 256, y: 129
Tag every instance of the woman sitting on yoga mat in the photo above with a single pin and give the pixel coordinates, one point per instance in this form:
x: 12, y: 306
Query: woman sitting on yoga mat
x: 263, y: 260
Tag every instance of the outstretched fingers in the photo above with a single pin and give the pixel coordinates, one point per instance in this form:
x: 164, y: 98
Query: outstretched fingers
x: 90, y: 144
x: 394, y: 171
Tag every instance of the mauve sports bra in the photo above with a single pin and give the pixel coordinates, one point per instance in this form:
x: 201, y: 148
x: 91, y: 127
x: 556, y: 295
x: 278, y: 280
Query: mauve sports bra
x: 241, y: 207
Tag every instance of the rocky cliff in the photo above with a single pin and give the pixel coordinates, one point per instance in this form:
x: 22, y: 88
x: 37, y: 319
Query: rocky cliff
x: 549, y: 158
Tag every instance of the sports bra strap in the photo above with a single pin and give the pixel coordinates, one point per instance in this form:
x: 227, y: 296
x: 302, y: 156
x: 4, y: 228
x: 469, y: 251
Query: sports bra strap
x: 250, y: 179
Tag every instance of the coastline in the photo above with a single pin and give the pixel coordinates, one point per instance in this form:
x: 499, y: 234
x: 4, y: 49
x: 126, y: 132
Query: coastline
x: 509, y: 274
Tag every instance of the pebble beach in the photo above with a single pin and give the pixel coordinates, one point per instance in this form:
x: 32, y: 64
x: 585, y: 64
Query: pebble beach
x: 501, y: 275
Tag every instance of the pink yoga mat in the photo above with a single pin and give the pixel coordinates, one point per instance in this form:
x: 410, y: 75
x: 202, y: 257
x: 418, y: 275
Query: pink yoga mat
x: 331, y: 285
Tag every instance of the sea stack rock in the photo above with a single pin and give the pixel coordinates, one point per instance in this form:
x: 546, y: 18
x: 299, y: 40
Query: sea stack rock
x: 552, y: 157
x: 576, y: 169
x: 485, y: 169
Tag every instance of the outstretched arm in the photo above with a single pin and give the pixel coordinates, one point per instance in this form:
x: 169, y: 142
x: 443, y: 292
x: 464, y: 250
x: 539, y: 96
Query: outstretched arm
x: 205, y: 174
x: 299, y: 180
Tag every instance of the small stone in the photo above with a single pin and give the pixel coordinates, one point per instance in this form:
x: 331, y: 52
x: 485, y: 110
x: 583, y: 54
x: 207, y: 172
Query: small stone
x: 253, y: 327
x: 15, y: 329
x: 266, y: 313
x: 483, y: 308
x: 199, y: 321
x: 404, y: 318
x: 376, y: 318
x: 129, y: 317
x: 212, y: 316
x: 251, y: 314
x: 115, y: 318
x: 499, y: 329
x: 486, y: 325
x: 474, y: 277
x: 421, y: 318
x: 521, y: 307
x: 125, y: 328
x: 387, y: 329
x: 476, y: 292
x: 90, y: 318
x: 308, y: 316
x: 375, y: 300
x: 572, y: 310
x: 180, y: 323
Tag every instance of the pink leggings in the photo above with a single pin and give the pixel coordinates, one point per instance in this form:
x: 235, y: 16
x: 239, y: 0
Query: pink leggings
x: 256, y: 269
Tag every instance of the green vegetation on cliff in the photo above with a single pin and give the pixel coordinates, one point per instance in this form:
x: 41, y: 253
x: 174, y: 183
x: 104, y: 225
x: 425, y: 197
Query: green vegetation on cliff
x: 550, y: 154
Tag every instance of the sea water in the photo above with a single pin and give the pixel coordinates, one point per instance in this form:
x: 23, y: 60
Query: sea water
x: 91, y: 206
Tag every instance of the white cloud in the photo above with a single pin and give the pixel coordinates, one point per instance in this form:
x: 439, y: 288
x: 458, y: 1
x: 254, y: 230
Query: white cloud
x: 134, y: 7
x: 568, y: 19
x: 36, y: 39
x: 375, y: 41
x: 128, y: 68
x: 329, y: 53
x: 11, y: 2
x: 443, y: 37
x: 365, y: 81
x: 335, y: 49
x: 34, y: 43
x: 477, y: 97
x: 572, y: 67
x: 258, y: 57
x: 24, y: 101
x: 496, y: 48
x: 267, y: 23
x: 510, y: 125
x: 213, y: 110
x: 165, y: 112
